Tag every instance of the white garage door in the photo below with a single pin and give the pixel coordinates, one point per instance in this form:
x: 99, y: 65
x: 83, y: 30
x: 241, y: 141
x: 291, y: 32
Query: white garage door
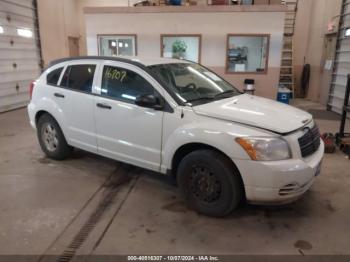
x: 20, y: 59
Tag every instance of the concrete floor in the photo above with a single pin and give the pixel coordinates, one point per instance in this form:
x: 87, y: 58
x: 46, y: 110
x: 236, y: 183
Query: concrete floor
x: 93, y: 205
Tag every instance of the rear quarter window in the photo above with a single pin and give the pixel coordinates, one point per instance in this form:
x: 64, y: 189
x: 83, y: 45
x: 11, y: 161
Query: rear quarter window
x: 79, y: 77
x: 53, y: 77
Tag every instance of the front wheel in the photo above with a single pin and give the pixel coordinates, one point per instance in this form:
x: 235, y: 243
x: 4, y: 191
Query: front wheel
x: 209, y: 183
x: 51, y: 138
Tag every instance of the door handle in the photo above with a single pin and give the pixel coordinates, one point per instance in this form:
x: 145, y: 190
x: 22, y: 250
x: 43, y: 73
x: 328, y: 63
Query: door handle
x: 104, y: 106
x: 59, y: 95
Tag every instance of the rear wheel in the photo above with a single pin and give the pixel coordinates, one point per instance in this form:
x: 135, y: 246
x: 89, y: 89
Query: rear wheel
x: 209, y: 183
x: 51, y: 138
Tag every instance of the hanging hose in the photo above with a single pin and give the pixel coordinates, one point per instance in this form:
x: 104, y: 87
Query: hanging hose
x: 305, y: 80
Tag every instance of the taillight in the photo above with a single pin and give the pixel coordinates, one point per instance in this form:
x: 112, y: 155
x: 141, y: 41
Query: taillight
x: 31, y: 88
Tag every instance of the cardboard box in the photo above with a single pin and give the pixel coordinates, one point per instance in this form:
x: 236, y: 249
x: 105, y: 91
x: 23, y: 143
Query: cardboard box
x: 219, y: 2
x: 261, y: 2
x: 275, y: 2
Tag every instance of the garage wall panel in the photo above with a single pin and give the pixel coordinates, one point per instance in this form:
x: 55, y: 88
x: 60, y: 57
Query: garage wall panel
x: 20, y: 56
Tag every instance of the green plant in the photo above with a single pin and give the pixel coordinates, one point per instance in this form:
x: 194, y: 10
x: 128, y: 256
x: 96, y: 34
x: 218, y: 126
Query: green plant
x: 179, y: 46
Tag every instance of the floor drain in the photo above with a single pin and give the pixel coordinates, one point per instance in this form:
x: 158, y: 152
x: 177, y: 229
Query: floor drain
x: 112, y: 189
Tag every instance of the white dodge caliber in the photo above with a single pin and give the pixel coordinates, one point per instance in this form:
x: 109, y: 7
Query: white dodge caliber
x: 178, y: 118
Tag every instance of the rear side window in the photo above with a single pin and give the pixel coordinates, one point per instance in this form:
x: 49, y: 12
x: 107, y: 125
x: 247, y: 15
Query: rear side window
x: 53, y: 77
x: 79, y: 77
x: 123, y: 84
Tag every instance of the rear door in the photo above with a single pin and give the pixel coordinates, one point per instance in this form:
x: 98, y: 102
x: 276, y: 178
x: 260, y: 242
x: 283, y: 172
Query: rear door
x: 126, y: 131
x: 75, y: 100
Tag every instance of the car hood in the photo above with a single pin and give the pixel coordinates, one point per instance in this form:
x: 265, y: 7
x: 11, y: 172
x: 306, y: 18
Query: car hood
x: 256, y: 111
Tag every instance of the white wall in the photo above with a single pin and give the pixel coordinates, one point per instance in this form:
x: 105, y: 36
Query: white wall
x: 214, y: 27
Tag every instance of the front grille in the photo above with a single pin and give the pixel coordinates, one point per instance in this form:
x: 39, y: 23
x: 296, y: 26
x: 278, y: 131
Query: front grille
x: 310, y: 141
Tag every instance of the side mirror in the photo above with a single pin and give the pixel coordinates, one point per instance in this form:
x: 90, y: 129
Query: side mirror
x: 149, y: 101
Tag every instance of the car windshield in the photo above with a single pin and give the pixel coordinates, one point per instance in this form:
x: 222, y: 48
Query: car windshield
x: 194, y: 84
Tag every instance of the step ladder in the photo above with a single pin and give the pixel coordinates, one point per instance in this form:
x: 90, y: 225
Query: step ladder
x: 287, y: 70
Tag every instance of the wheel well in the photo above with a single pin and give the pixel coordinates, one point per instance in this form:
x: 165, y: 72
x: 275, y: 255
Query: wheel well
x: 40, y: 114
x: 188, y: 148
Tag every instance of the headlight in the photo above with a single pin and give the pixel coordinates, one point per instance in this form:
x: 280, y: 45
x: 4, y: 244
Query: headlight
x: 265, y: 149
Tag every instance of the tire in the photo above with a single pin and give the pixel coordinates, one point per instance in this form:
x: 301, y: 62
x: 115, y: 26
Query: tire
x: 209, y: 183
x: 51, y: 138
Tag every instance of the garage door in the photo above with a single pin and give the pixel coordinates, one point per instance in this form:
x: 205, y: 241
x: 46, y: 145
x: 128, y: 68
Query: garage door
x: 20, y: 59
x: 342, y: 62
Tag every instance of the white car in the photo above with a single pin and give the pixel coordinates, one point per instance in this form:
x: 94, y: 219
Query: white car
x: 178, y: 118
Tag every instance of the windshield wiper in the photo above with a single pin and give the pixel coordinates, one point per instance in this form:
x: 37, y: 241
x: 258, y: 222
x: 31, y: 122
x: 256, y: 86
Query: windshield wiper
x: 224, y: 93
x: 201, y: 98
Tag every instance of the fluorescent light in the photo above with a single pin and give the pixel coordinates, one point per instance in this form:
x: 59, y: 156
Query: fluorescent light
x: 126, y: 45
x: 120, y: 44
x: 347, y: 32
x: 114, y: 43
x: 1, y: 30
x: 24, y: 32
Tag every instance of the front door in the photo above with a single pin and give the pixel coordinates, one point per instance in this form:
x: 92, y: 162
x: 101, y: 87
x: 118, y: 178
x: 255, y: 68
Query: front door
x: 126, y: 131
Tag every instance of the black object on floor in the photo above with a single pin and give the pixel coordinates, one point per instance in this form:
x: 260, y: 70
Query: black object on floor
x: 324, y: 114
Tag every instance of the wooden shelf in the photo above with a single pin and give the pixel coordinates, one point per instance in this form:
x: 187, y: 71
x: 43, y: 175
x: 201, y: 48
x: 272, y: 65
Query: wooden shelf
x: 187, y: 9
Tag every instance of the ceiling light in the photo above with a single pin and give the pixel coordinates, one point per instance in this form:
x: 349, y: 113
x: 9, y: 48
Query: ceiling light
x: 24, y: 32
x: 120, y: 44
x: 113, y: 43
x: 126, y: 45
x: 347, y: 32
x: 1, y: 30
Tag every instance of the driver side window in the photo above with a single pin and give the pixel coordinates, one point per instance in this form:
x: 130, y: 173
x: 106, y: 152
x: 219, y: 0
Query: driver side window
x: 123, y: 84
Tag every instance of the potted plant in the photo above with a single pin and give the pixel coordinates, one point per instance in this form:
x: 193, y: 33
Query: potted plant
x: 179, y: 49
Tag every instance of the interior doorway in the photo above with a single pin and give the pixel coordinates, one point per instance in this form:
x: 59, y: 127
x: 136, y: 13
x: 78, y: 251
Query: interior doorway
x: 73, y: 45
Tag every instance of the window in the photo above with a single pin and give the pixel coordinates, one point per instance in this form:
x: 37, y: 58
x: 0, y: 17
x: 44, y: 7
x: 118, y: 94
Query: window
x: 117, y: 45
x: 79, y: 77
x: 181, y: 47
x: 53, y: 77
x: 124, y: 84
x: 247, y: 53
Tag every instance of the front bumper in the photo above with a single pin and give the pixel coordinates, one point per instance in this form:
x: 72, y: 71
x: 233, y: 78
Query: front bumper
x: 279, y: 182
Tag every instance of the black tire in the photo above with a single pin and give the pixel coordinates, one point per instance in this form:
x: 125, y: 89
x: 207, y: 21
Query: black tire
x: 213, y: 192
x: 57, y: 150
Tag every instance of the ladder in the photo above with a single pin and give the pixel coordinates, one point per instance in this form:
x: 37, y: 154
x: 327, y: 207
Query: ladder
x: 346, y: 108
x: 342, y: 138
x: 287, y: 71
x: 341, y: 63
